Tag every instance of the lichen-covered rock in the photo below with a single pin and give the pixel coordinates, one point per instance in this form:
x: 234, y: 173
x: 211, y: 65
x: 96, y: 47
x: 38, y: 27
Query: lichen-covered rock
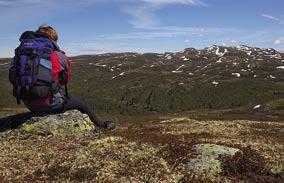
x: 175, y: 120
x: 207, y: 159
x: 69, y: 123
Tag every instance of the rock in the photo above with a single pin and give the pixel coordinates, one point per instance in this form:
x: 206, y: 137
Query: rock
x: 276, y: 130
x: 175, y: 120
x: 69, y: 123
x: 207, y: 161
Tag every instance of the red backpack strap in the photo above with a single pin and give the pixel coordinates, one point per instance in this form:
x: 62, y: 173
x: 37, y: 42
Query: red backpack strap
x: 61, y: 67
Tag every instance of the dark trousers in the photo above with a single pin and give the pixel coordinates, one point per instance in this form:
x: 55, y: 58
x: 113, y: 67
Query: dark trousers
x: 73, y: 103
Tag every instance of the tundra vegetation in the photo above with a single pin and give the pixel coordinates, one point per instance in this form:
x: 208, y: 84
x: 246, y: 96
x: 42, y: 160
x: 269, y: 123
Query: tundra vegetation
x: 210, y: 115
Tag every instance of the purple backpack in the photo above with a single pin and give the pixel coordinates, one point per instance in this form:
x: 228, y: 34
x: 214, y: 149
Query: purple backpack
x: 30, y: 71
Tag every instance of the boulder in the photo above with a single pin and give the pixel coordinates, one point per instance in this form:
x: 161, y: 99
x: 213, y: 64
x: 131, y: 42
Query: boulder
x: 207, y: 159
x: 71, y: 122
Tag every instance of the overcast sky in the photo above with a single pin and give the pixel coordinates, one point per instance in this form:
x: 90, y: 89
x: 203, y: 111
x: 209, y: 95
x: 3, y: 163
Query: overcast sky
x: 99, y: 26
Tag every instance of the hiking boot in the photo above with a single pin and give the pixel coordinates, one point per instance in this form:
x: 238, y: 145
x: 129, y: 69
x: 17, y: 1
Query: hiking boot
x: 110, y: 125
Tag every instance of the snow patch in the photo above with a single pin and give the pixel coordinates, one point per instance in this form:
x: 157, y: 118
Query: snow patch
x: 180, y: 67
x: 277, y: 56
x: 272, y: 77
x: 220, y: 60
x: 257, y: 106
x: 176, y: 71
x: 249, y: 53
x: 243, y: 48
x: 6, y: 63
x: 280, y: 67
x: 220, y: 54
x: 215, y: 83
x: 236, y: 74
x: 168, y: 56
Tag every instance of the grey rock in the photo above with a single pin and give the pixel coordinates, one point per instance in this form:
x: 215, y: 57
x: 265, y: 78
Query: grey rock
x: 69, y: 123
x: 207, y: 160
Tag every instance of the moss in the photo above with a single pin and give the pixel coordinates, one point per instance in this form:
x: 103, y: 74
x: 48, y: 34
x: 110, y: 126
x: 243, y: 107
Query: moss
x: 68, y: 123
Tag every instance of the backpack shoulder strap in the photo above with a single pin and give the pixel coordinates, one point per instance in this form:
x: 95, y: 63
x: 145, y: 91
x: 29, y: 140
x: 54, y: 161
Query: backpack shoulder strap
x: 56, y: 47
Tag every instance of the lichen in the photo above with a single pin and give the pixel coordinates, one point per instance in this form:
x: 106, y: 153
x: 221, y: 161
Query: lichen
x: 140, y: 150
x: 70, y: 122
x: 207, y: 160
x: 136, y: 162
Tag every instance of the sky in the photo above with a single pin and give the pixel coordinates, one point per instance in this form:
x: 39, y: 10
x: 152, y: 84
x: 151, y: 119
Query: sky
x: 100, y: 26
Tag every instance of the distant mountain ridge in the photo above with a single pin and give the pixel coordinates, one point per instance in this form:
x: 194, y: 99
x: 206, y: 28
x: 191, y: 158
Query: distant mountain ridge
x: 216, y: 77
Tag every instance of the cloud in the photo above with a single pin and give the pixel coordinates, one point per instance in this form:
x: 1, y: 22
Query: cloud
x: 100, y: 47
x: 97, y: 47
x: 279, y: 20
x: 169, y: 32
x: 270, y: 17
x: 16, y: 13
x: 166, y: 2
x: 143, y: 14
x: 15, y: 2
x: 280, y: 40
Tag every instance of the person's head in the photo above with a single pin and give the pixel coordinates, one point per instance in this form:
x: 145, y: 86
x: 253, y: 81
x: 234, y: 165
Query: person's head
x: 48, y: 30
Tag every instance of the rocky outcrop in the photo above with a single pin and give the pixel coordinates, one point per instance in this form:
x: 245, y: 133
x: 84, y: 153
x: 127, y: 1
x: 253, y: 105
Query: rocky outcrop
x: 208, y: 158
x: 69, y: 123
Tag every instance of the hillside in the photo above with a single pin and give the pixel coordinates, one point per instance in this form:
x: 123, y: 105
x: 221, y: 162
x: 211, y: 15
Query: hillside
x: 68, y: 148
x: 167, y: 106
x: 240, y: 79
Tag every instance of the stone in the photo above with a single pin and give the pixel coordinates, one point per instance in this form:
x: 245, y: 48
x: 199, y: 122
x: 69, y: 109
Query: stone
x: 71, y: 122
x: 207, y: 159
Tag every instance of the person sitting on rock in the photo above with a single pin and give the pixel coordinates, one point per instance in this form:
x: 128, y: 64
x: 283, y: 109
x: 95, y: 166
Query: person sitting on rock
x: 38, y: 72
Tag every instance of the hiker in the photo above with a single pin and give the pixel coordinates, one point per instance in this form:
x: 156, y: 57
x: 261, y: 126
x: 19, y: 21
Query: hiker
x: 40, y: 72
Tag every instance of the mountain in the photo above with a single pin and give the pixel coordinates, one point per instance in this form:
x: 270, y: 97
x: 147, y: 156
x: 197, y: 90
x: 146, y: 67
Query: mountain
x: 181, y: 142
x: 215, y: 77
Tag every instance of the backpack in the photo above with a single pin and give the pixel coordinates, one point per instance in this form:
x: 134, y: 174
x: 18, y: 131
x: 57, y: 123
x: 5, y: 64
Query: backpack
x: 31, y: 72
